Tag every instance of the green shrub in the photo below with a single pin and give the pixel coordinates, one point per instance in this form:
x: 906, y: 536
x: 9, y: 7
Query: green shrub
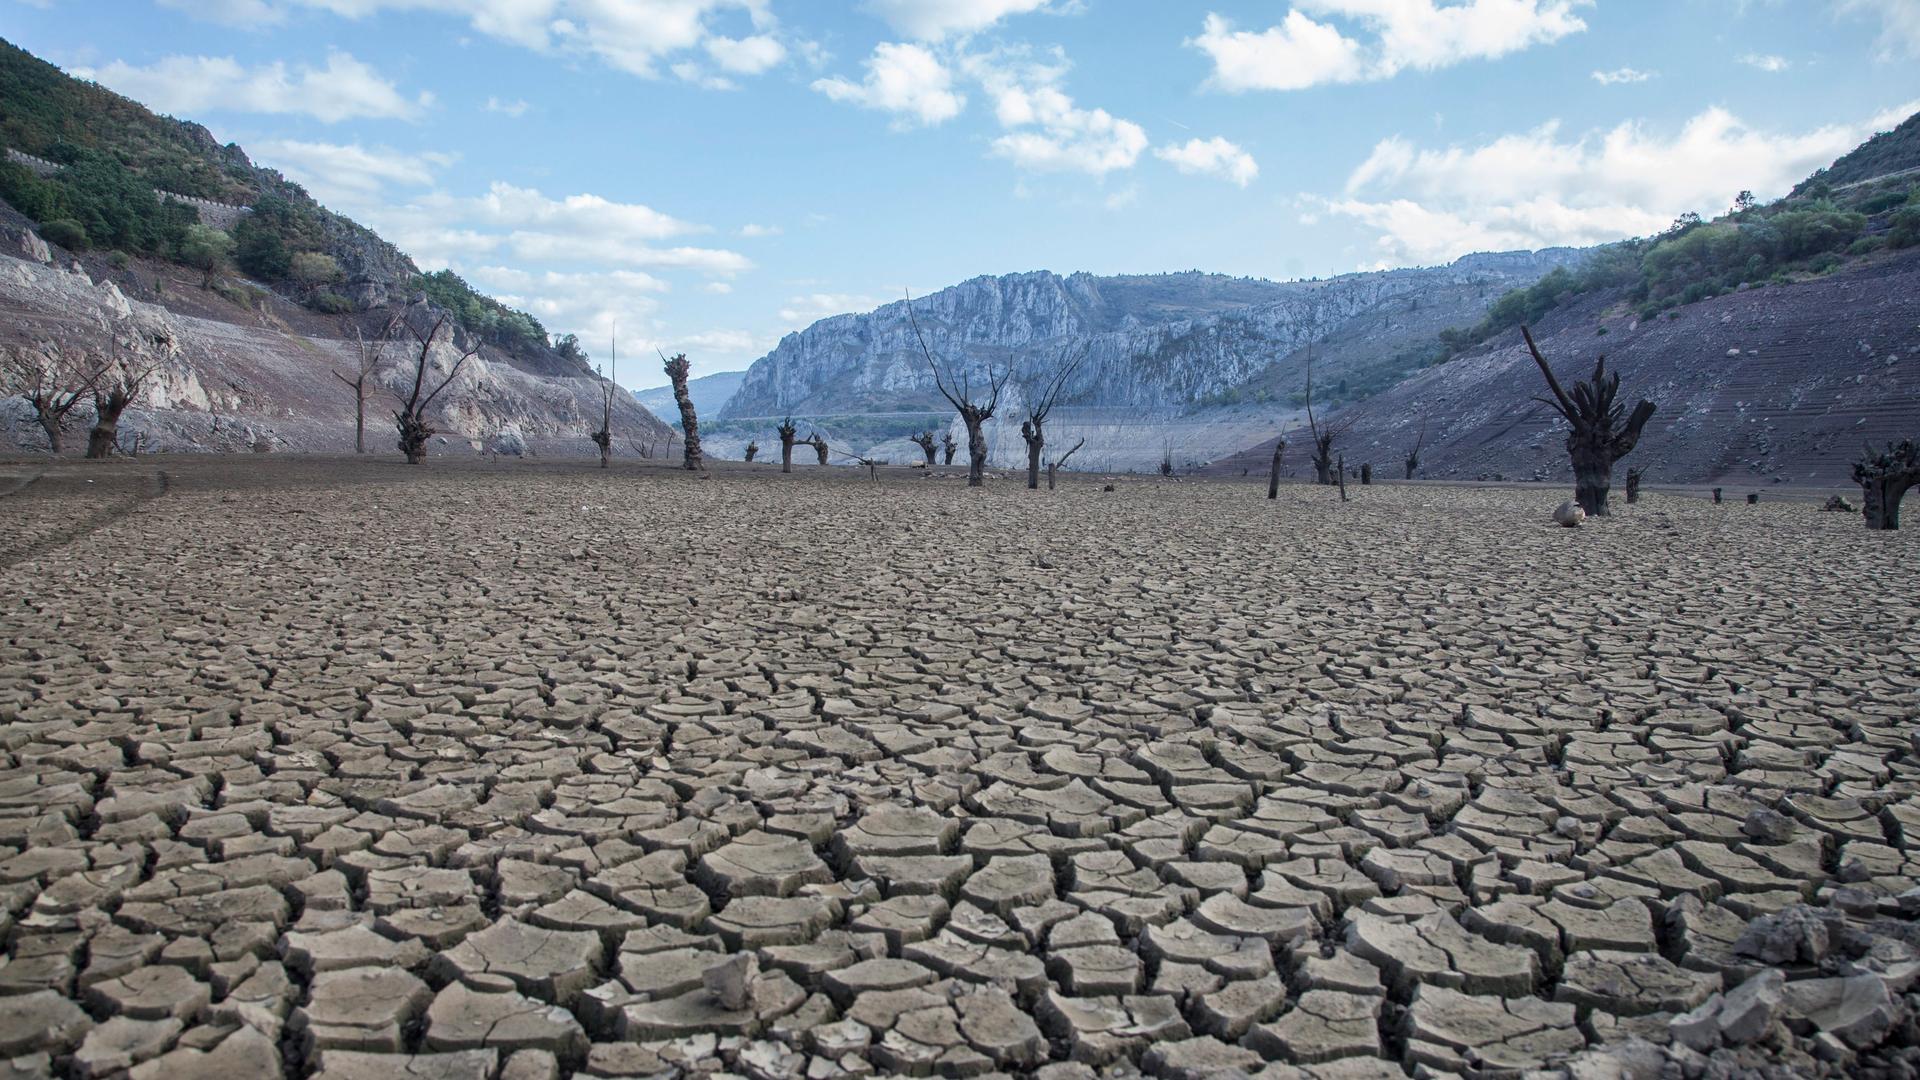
x: 329, y: 302
x: 67, y: 233
x: 1866, y: 245
x: 1904, y: 228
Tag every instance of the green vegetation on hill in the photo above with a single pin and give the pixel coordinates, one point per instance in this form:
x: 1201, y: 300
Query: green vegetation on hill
x: 482, y: 315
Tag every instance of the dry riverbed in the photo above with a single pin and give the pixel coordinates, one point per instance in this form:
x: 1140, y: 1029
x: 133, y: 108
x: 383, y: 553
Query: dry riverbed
x: 341, y: 768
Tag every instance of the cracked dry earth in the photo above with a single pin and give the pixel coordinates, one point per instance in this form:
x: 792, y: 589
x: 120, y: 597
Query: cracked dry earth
x: 351, y: 770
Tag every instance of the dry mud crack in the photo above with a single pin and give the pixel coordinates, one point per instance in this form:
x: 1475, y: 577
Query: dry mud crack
x: 345, y: 769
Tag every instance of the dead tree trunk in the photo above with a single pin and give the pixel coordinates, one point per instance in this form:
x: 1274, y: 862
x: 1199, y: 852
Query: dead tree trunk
x: 1273, y: 474
x: 689, y: 423
x: 1413, y: 455
x: 111, y: 395
x: 1633, y: 486
x: 370, y: 355
x: 819, y: 444
x: 1042, y: 388
x: 925, y: 441
x: 1599, y: 431
x: 955, y: 383
x: 1341, y: 470
x: 787, y: 433
x: 53, y: 380
x: 1323, y: 434
x: 1036, y: 441
x: 1323, y: 458
x: 1366, y: 474
x: 1053, y: 467
x: 1884, y: 478
x: 411, y: 418
x: 948, y: 446
x: 753, y: 449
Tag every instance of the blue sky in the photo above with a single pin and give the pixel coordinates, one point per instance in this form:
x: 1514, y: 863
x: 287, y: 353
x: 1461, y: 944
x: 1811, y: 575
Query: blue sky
x: 715, y: 173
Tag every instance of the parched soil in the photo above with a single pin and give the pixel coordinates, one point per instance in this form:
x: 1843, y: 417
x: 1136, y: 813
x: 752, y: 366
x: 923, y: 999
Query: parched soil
x: 341, y: 768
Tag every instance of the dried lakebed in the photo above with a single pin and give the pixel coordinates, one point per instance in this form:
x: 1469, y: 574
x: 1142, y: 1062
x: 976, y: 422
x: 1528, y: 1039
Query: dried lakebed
x: 346, y: 769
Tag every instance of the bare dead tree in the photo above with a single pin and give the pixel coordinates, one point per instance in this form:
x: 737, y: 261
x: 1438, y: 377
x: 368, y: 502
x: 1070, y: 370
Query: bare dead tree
x: 1600, y: 432
x: 1633, y: 485
x: 948, y: 447
x: 1273, y: 475
x: 119, y: 385
x: 1041, y: 389
x: 787, y: 433
x: 1884, y: 477
x: 1366, y: 474
x: 603, y: 438
x: 1054, y: 466
x: 369, y: 356
x: 819, y: 444
x: 53, y: 379
x: 1166, y: 457
x: 872, y: 464
x: 1323, y: 434
x: 925, y: 441
x: 753, y: 449
x: 689, y: 423
x: 1413, y: 455
x: 410, y: 419
x: 955, y: 383
x: 1341, y: 471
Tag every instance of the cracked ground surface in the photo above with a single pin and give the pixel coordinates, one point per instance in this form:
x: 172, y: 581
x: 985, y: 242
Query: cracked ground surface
x: 347, y: 769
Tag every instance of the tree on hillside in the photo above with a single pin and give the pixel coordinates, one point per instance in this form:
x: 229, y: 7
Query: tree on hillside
x: 955, y: 383
x: 313, y: 270
x: 53, y: 379
x: 207, y: 250
x: 1600, y: 432
x: 411, y: 418
x: 1323, y: 434
x: 369, y: 356
x: 1884, y: 477
x: 689, y: 423
x: 1041, y: 387
x: 133, y: 361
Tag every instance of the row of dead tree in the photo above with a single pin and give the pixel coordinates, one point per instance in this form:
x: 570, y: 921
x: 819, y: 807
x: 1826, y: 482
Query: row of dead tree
x: 55, y: 378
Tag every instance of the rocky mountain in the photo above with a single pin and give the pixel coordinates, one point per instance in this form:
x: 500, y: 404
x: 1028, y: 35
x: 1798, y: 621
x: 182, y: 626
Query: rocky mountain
x: 709, y: 393
x: 104, y: 211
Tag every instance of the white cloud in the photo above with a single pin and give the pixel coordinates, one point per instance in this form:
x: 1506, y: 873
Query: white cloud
x: 1123, y: 198
x: 1211, y: 157
x: 515, y: 108
x: 745, y: 56
x: 1539, y: 189
x: 1772, y: 65
x: 1046, y: 131
x: 248, y: 14
x: 753, y: 231
x: 717, y: 288
x: 935, y: 20
x: 589, y: 304
x: 802, y: 311
x: 344, y: 177
x: 1899, y: 24
x: 1621, y: 76
x: 345, y: 89
x: 903, y: 79
x: 1423, y: 35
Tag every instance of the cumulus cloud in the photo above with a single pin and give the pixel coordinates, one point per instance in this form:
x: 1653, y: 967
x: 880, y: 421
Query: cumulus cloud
x: 745, y: 56
x: 935, y: 20
x: 800, y: 312
x: 1211, y: 157
x: 345, y: 89
x: 1620, y: 76
x: 1541, y: 188
x: 904, y: 79
x: 1770, y: 64
x: 1899, y: 24
x: 515, y: 108
x: 346, y: 176
x: 1046, y: 130
x: 1382, y: 38
x: 752, y: 231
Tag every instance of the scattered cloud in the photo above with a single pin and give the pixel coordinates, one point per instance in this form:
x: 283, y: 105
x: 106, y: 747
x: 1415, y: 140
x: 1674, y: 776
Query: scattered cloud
x: 1046, y: 130
x: 903, y: 79
x: 754, y: 231
x: 1899, y: 24
x: 745, y: 56
x: 1541, y: 188
x: 345, y: 89
x: 800, y: 312
x: 346, y: 176
x: 1382, y: 38
x: 1123, y: 198
x: 515, y: 108
x: 1211, y: 157
x: 589, y: 304
x: 1621, y: 76
x: 936, y: 20
x: 1770, y: 64
x: 717, y: 288
x: 249, y: 14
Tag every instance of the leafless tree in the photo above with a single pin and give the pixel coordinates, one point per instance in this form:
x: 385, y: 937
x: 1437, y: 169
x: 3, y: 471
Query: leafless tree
x: 948, y: 447
x: 120, y: 383
x: 410, y: 419
x: 689, y: 423
x: 955, y: 383
x: 819, y: 444
x: 604, y: 437
x: 1413, y: 455
x: 787, y: 433
x: 1884, y: 477
x: 1366, y: 474
x: 1166, y: 457
x: 369, y: 356
x: 53, y: 379
x: 1273, y: 474
x: 1600, y: 432
x: 925, y: 441
x: 872, y: 464
x: 1340, y: 470
x: 1041, y: 388
x: 1323, y: 434
x: 1634, y: 476
x: 753, y: 449
x: 1054, y: 466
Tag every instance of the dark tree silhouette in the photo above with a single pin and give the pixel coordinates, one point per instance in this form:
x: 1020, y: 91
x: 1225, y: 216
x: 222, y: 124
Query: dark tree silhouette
x: 819, y: 444
x: 1633, y: 485
x: 689, y: 423
x: 119, y: 384
x: 410, y: 419
x: 1884, y: 477
x: 753, y: 449
x: 787, y: 433
x: 1041, y: 389
x: 925, y: 441
x: 1273, y: 474
x: 955, y: 383
x: 1054, y: 466
x: 1323, y: 434
x: 1413, y: 455
x: 948, y: 447
x: 369, y: 356
x: 604, y: 437
x: 53, y: 380
x: 1600, y: 433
